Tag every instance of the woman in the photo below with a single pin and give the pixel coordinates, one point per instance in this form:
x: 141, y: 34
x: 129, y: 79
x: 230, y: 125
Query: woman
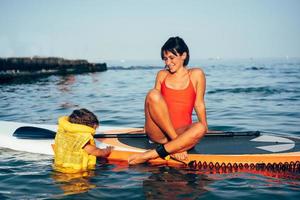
x: 168, y: 107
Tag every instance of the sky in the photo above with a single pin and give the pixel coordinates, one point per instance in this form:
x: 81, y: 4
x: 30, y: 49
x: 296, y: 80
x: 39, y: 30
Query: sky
x: 124, y: 30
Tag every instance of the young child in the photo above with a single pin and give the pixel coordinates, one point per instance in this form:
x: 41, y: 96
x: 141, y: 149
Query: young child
x: 74, y: 149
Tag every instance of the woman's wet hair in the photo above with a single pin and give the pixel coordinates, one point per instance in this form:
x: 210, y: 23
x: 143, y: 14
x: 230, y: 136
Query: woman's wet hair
x: 84, y: 117
x: 176, y: 45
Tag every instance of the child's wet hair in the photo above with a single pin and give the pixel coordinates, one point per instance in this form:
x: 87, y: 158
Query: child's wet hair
x: 84, y: 117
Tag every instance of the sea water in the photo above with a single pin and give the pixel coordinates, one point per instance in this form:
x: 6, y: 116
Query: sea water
x: 241, y: 95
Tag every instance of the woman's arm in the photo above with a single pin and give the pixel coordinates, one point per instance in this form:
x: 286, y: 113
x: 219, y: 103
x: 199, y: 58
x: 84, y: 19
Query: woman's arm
x: 199, y: 106
x: 159, y: 79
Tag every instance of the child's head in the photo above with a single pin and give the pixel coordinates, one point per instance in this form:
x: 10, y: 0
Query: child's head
x: 84, y: 117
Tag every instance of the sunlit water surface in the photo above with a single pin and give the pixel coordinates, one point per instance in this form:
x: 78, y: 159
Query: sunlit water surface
x: 241, y: 95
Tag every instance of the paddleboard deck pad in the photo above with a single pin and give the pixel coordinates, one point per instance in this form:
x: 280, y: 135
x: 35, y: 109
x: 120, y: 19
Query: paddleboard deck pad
x: 263, y: 151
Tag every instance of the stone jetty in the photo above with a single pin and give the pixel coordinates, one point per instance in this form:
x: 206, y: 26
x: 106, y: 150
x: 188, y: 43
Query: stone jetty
x: 19, y: 67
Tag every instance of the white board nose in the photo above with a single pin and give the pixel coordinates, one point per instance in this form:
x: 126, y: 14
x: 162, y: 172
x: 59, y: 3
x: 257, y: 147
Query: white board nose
x: 271, y: 138
x: 287, y: 143
x: 277, y: 148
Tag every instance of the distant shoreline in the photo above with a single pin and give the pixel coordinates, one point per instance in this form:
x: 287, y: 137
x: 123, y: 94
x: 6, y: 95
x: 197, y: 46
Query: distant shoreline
x: 18, y: 67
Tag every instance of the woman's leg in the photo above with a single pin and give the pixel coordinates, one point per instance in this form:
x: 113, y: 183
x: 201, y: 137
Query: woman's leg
x: 187, y: 139
x: 158, y: 124
x: 183, y: 142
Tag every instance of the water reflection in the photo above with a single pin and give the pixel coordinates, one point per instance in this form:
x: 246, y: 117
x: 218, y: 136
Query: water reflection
x: 74, y: 183
x: 65, y: 82
x: 170, y: 183
x: 64, y: 85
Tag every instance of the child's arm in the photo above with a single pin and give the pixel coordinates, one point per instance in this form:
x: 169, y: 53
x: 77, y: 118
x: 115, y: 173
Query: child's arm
x: 92, y: 150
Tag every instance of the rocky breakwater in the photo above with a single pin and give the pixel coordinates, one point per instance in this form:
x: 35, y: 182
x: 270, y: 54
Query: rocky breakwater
x: 26, y: 67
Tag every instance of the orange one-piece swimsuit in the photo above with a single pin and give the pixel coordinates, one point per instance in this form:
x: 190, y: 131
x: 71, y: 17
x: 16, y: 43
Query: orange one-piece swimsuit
x: 180, y: 103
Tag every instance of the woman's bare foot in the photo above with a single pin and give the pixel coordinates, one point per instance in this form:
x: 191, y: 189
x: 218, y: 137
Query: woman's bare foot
x: 182, y: 156
x: 142, y: 157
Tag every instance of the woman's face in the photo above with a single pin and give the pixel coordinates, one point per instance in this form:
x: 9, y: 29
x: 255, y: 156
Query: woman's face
x: 173, y: 62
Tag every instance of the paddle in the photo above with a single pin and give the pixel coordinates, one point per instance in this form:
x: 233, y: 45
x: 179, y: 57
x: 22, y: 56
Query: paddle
x: 30, y: 132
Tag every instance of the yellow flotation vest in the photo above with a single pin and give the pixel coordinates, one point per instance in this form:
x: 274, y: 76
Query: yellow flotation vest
x: 69, y: 155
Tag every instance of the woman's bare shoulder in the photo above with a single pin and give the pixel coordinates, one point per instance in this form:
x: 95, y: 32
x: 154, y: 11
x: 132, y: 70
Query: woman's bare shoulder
x: 161, y: 74
x: 197, y: 72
